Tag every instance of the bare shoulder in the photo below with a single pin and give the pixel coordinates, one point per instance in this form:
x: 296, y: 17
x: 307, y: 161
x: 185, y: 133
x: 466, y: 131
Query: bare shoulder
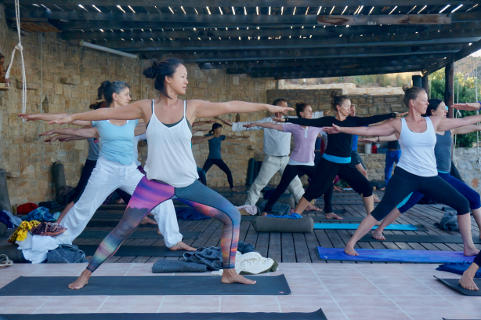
x: 435, y: 120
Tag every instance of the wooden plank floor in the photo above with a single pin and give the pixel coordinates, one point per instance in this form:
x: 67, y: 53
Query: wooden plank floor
x: 301, y: 247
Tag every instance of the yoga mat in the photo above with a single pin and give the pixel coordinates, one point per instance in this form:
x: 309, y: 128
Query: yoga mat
x: 454, y: 284
x: 139, y: 234
x: 353, y: 226
x: 130, y: 251
x: 394, y: 255
x: 457, y: 268
x: 316, y: 315
x: 419, y: 238
x: 147, y: 285
x: 345, y: 220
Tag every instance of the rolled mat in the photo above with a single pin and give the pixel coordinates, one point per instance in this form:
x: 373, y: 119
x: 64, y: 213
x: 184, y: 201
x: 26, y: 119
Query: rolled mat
x: 145, y: 285
x: 4, y: 199
x: 133, y: 251
x: 316, y: 315
x: 454, y: 285
x: 271, y: 224
x: 457, y: 268
x: 354, y: 226
x: 394, y: 255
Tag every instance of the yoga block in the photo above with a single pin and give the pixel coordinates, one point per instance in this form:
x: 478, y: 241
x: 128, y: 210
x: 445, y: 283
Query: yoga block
x: 272, y: 224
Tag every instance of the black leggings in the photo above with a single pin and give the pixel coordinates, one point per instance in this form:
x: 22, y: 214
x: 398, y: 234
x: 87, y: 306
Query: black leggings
x: 222, y: 165
x: 89, y: 165
x: 403, y: 183
x: 325, y: 173
x: 290, y: 172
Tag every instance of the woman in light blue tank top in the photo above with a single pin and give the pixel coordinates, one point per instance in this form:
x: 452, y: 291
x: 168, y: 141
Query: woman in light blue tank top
x: 116, y: 168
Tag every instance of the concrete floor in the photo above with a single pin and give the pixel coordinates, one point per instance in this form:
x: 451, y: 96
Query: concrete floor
x: 343, y: 291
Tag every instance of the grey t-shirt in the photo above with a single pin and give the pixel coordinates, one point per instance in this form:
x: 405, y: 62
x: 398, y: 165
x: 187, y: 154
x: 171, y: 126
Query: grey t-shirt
x: 442, y: 151
x: 93, y: 149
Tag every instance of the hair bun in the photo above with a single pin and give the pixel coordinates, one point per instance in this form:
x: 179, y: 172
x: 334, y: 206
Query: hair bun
x: 405, y: 87
x: 152, y: 71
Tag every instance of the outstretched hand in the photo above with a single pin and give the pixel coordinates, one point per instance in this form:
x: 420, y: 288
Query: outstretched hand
x: 48, y: 133
x: 249, y: 125
x: 279, y: 109
x: 28, y: 117
x: 467, y: 106
x: 332, y: 130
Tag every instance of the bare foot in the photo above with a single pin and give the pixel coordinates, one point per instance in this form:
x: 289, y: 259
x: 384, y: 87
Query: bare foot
x: 81, y: 281
x: 332, y: 215
x: 311, y: 207
x: 230, y: 276
x: 378, y: 235
x: 467, y: 281
x: 349, y: 250
x: 468, y: 252
x: 182, y: 246
x: 148, y: 220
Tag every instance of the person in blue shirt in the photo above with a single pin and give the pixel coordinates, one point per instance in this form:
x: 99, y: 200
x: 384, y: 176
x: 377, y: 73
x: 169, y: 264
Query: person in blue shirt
x: 215, y: 157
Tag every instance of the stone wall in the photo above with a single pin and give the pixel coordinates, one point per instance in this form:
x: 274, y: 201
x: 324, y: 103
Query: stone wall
x: 320, y: 99
x: 63, y: 77
x: 467, y: 160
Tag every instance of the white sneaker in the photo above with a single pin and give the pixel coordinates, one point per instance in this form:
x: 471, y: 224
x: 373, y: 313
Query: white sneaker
x: 252, y: 263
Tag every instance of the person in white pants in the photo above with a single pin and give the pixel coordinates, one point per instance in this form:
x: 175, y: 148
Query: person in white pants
x: 115, y: 168
x: 277, y: 147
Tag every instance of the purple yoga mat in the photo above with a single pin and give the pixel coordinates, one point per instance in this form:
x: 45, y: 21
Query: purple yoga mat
x: 394, y: 255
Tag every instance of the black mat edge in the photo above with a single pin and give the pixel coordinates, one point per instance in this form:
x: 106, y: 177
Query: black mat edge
x: 456, y: 287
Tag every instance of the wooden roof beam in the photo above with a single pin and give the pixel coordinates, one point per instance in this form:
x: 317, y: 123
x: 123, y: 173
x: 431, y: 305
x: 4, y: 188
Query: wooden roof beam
x: 241, y: 3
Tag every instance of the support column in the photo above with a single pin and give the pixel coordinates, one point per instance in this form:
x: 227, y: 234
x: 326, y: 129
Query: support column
x: 417, y: 81
x: 425, y: 82
x: 449, y: 88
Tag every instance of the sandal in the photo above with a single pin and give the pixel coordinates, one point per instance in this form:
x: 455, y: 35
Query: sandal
x: 5, y: 261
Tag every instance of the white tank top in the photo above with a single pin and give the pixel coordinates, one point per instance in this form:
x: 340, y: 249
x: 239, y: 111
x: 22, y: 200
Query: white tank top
x: 417, y: 150
x: 169, y: 152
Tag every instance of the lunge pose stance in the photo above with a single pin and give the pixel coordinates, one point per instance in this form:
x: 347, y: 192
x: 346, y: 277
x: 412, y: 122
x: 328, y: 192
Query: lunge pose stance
x: 115, y: 168
x: 170, y: 166
x: 336, y: 159
x: 442, y: 151
x: 301, y: 161
x: 416, y: 170
x: 215, y: 138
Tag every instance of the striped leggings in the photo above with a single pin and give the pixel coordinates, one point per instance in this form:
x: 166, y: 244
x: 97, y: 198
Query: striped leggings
x: 150, y: 193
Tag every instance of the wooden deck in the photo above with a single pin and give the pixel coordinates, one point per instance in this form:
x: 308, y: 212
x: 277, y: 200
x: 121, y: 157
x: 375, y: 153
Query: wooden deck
x: 301, y: 247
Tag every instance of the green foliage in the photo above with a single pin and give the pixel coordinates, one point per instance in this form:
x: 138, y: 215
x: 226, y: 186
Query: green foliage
x: 464, y: 91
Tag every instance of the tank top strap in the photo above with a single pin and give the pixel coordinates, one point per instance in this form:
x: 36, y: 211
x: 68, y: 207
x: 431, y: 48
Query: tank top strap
x: 185, y: 106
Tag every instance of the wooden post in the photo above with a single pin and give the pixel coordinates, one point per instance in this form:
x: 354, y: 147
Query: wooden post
x: 417, y: 81
x: 449, y: 88
x: 425, y: 81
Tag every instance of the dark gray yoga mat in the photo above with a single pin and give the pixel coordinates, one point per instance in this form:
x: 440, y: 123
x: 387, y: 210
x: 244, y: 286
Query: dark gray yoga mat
x: 454, y: 284
x: 316, y: 315
x: 138, y: 234
x: 147, y: 285
x: 419, y: 238
x: 130, y: 251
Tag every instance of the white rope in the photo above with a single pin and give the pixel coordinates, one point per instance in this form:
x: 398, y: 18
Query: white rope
x: 19, y: 47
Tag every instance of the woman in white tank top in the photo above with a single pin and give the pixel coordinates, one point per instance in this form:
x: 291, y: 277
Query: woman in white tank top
x: 416, y: 170
x: 171, y: 169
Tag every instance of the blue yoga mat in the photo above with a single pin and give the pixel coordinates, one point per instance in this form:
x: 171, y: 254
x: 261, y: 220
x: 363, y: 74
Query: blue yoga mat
x: 457, y: 268
x: 354, y: 226
x: 394, y: 255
